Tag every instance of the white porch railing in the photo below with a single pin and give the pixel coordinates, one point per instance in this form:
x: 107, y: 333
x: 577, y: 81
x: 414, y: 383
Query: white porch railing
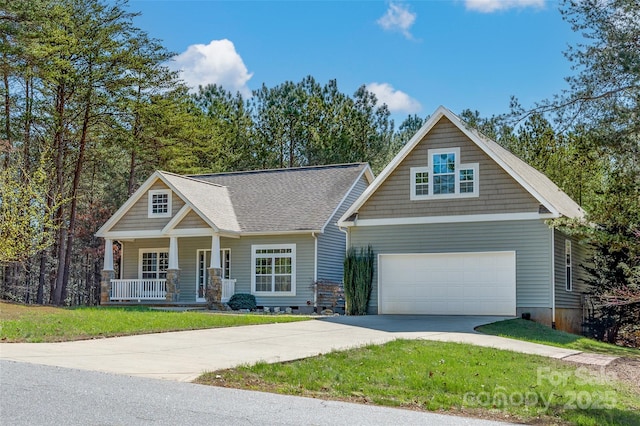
x: 138, y: 289
x: 228, y: 289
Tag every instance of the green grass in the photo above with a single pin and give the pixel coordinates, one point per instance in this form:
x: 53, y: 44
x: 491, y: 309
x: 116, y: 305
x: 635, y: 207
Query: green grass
x: 533, y: 332
x: 20, y: 323
x: 451, y: 377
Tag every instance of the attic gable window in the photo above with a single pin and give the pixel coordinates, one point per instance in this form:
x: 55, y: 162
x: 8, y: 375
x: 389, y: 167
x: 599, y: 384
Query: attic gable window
x: 444, y: 177
x: 159, y: 203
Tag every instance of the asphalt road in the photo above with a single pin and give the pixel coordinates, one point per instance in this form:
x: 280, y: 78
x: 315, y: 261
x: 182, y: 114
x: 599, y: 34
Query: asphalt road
x: 32, y: 394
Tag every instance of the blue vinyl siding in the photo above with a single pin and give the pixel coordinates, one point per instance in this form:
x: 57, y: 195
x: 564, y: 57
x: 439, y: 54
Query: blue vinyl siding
x: 332, y: 243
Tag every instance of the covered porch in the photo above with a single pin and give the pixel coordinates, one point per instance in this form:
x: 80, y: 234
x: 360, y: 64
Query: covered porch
x: 155, y: 276
x: 123, y: 290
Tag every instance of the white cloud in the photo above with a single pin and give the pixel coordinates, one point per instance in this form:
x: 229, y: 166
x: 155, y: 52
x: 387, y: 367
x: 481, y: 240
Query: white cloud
x: 489, y: 6
x: 214, y: 63
x: 398, y: 18
x: 396, y: 100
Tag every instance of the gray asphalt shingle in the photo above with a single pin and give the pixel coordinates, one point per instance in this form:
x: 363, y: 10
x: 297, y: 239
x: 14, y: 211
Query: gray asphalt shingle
x: 281, y: 200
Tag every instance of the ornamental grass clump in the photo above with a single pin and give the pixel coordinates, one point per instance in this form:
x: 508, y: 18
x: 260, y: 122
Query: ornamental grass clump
x: 358, y: 277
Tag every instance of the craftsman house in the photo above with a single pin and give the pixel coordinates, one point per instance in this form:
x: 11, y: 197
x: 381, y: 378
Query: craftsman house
x: 271, y: 233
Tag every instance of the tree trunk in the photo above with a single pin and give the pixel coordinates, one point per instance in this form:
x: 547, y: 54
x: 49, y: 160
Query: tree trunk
x: 61, y: 289
x: 42, y: 277
x: 132, y: 172
x: 7, y: 106
x: 28, y: 108
x: 56, y: 284
x: 27, y: 281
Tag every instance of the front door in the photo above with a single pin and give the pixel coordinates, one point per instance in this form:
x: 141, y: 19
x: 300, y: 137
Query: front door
x: 204, y: 260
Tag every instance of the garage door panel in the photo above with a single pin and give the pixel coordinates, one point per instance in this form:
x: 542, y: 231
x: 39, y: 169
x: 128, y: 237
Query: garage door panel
x: 447, y: 283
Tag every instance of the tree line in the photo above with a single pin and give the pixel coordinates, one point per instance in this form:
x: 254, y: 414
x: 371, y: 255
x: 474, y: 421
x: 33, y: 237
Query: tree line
x: 90, y: 110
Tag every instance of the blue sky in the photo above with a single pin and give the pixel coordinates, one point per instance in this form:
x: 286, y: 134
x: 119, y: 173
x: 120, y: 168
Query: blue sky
x: 414, y: 55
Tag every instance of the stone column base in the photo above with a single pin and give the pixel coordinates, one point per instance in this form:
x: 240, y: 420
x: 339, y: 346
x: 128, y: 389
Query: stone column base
x: 214, y: 289
x: 105, y: 286
x: 173, y: 280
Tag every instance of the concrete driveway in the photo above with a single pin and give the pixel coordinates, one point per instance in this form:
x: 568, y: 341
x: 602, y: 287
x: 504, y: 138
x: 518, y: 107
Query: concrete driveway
x: 184, y: 355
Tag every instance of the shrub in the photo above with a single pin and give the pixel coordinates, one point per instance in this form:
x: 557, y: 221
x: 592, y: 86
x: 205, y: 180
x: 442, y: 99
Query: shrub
x: 242, y: 301
x: 358, y: 276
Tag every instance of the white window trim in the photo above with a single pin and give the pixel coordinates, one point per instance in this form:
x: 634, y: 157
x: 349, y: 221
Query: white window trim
x: 153, y: 192
x: 414, y: 172
x: 473, y: 167
x: 149, y: 250
x: 568, y: 266
x: 254, y: 255
x: 458, y: 166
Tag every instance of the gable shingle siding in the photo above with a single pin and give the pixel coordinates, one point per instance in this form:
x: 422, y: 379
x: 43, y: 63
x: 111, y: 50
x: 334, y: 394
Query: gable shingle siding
x: 136, y: 219
x: 191, y: 221
x: 499, y: 192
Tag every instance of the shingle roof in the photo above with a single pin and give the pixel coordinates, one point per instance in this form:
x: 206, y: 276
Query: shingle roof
x: 284, y: 200
x: 536, y: 179
x: 210, y: 200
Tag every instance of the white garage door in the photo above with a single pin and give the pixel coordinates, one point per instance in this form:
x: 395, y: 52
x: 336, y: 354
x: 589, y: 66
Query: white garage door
x: 447, y: 283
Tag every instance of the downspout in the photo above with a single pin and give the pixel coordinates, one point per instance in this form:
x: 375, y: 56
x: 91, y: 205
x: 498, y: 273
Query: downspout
x: 346, y: 239
x: 553, y: 279
x: 315, y: 270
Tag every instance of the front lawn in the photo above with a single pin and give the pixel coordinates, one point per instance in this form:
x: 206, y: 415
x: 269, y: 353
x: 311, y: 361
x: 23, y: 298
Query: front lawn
x: 20, y: 323
x: 449, y: 377
x: 531, y: 331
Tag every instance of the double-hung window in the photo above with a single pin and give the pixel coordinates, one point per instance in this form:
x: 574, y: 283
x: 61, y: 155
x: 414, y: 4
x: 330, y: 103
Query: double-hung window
x: 274, y: 269
x: 444, y: 176
x: 154, y: 264
x: 159, y: 203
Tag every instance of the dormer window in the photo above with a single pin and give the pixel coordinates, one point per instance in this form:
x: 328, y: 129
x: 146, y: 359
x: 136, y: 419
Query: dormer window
x: 444, y: 177
x: 160, y: 203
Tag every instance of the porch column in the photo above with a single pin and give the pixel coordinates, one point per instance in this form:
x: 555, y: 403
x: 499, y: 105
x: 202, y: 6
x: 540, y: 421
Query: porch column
x: 173, y: 272
x: 107, y: 272
x: 214, y: 281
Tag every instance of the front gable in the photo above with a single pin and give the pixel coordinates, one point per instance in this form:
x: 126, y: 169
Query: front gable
x: 492, y: 191
x: 140, y: 215
x: 449, y: 172
x: 192, y: 221
x: 156, y: 209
